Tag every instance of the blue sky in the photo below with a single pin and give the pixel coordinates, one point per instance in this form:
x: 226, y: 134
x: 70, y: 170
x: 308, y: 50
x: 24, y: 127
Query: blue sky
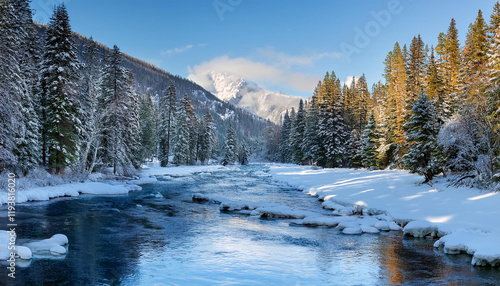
x: 280, y: 45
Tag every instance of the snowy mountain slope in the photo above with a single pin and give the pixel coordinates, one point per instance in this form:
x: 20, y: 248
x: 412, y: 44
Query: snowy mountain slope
x: 235, y: 90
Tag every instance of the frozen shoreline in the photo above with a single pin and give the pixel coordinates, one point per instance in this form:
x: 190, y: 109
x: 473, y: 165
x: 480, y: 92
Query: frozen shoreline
x: 465, y: 219
x: 106, y: 187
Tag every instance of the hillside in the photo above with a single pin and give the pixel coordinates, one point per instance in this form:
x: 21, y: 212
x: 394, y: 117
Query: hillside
x: 153, y: 80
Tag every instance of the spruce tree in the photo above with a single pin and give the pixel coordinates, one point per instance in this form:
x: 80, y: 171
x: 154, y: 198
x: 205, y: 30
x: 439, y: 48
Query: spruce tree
x: 230, y: 155
x: 181, y: 149
x: 148, y: 134
x: 423, y: 129
x: 311, y: 143
x: 369, y: 144
x: 119, y: 106
x: 244, y: 154
x: 167, y: 109
x: 298, y: 128
x: 207, y: 138
x: 61, y: 104
x: 284, y: 145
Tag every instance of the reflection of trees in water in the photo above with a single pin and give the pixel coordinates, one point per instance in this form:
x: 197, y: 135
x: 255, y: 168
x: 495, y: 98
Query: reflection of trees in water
x: 403, y: 260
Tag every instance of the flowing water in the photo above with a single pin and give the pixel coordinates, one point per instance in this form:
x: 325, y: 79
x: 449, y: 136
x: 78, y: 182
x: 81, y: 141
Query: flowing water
x: 141, y: 239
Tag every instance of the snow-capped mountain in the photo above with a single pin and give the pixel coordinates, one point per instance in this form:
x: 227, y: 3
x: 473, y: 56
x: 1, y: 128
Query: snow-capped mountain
x: 237, y: 91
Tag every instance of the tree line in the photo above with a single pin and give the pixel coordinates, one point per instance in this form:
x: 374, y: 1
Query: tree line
x: 436, y: 111
x: 63, y: 113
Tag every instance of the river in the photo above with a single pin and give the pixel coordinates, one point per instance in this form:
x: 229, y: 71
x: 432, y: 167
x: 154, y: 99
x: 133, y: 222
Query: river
x: 144, y: 239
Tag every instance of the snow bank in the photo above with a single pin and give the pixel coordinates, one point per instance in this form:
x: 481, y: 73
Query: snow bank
x: 70, y: 190
x: 429, y: 211
x: 154, y: 169
x: 484, y: 247
x: 144, y: 180
x: 281, y: 212
x: 53, y: 245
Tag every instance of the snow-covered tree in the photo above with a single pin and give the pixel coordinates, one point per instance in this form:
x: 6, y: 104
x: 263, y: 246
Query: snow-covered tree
x: 181, y: 149
x: 89, y: 113
x: 167, y: 109
x: 61, y: 104
x: 369, y: 144
x: 355, y: 149
x: 297, y: 134
x: 285, y: 138
x: 423, y: 129
x: 207, y: 138
x: 119, y: 105
x: 230, y: 152
x: 310, y: 143
x: 244, y: 154
x: 148, y: 121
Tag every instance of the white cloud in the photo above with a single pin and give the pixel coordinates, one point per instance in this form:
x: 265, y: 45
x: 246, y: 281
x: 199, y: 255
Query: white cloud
x: 259, y: 72
x: 349, y: 79
x: 176, y: 50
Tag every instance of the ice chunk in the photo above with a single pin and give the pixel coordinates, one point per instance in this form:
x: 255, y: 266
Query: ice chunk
x: 369, y: 229
x: 57, y: 250
x: 420, y: 229
x: 352, y: 230
x: 23, y: 252
x: 144, y: 180
x: 382, y: 225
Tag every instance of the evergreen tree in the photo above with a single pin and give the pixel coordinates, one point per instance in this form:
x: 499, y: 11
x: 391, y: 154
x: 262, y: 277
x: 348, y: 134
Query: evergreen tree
x: 192, y: 123
x: 435, y: 90
x: 230, y: 155
x: 473, y: 75
x: 244, y: 154
x: 311, y: 143
x: 369, y: 144
x: 416, y: 71
x: 355, y: 149
x: 362, y: 103
x: 148, y: 134
x: 181, y: 150
x: 284, y: 141
x: 395, y: 78
x: 118, y: 103
x: 423, y: 129
x: 62, y: 126
x: 207, y: 138
x: 167, y: 107
x: 298, y: 128
x: 89, y: 114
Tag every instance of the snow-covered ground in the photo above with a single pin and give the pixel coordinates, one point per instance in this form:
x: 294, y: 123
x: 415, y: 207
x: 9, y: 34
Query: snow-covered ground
x: 465, y: 219
x: 147, y: 175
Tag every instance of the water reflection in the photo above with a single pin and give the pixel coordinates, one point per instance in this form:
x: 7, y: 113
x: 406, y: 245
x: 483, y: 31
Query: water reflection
x: 173, y: 241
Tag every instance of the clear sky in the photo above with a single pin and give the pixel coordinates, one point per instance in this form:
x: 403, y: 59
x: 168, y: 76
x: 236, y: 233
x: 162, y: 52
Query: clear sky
x: 285, y: 45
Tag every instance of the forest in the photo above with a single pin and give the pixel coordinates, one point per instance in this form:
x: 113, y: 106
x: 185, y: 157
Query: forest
x: 435, y: 111
x: 70, y: 104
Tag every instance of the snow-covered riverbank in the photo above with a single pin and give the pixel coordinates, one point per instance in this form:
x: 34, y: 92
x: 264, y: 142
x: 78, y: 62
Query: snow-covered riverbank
x: 465, y: 219
x: 106, y: 187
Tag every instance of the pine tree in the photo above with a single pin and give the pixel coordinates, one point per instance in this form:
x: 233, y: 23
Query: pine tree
x: 148, y: 134
x: 474, y: 78
x: 416, y: 72
x: 181, y: 149
x: 369, y: 144
x: 311, y: 143
x: 395, y: 79
x: 167, y: 107
x: 448, y: 49
x: 230, y: 155
x: 119, y: 105
x: 284, y: 142
x: 89, y: 114
x: 298, y: 128
x: 244, y: 154
x: 362, y: 103
x: 423, y: 129
x: 11, y: 84
x: 192, y: 123
x: 62, y: 126
x: 355, y: 149
x: 207, y: 138
x: 435, y: 90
